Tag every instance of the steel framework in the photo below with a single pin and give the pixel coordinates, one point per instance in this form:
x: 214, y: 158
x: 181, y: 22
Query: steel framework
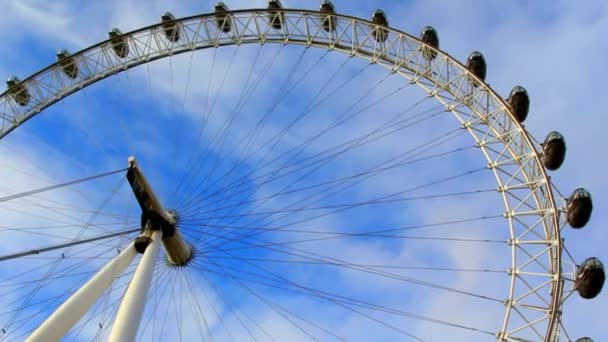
x: 537, y: 282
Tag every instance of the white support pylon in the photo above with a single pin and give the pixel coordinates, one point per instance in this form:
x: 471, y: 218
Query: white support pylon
x: 72, y: 310
x: 132, y: 306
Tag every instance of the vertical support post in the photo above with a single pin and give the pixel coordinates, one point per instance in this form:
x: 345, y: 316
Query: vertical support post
x: 72, y: 310
x: 132, y: 306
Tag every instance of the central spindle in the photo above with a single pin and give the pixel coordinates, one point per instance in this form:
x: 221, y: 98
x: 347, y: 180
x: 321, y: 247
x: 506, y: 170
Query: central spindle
x: 155, y: 217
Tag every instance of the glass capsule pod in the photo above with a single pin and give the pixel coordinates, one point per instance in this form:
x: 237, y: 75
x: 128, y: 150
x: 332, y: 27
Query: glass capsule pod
x: 170, y: 26
x: 328, y: 19
x: 476, y: 65
x: 590, y: 277
x: 379, y: 18
x: 584, y: 339
x: 119, y: 43
x: 223, y: 20
x: 68, y: 64
x: 275, y: 18
x: 519, y: 102
x: 429, y: 37
x: 554, y: 151
x: 579, y: 207
x: 18, y: 91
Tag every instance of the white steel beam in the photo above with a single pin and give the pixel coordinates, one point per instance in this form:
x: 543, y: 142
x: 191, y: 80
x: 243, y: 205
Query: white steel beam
x: 72, y: 310
x: 132, y: 306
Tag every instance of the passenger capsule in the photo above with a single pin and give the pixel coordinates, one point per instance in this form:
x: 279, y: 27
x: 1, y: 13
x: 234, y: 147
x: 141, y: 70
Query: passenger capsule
x: 590, y: 278
x: 18, y: 91
x: 520, y: 103
x: 554, y: 151
x: 379, y: 18
x: 119, y: 43
x: 170, y: 26
x: 584, y: 339
x: 429, y: 36
x: 276, y: 18
x: 328, y: 19
x: 579, y: 207
x: 223, y: 20
x: 476, y: 65
x: 68, y: 64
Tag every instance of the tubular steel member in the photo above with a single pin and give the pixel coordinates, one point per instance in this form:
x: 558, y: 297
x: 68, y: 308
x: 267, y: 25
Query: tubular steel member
x: 155, y: 217
x: 73, y: 309
x: 133, y: 304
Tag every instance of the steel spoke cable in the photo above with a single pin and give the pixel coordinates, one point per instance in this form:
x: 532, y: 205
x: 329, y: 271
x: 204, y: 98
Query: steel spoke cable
x: 93, y: 313
x: 38, y: 267
x: 23, y: 334
x: 67, y: 250
x: 195, y: 165
x: 331, y: 187
x: 255, y: 131
x: 171, y: 298
x: 68, y: 270
x: 397, y: 267
x: 440, y: 181
x: 334, y: 124
x: 89, y: 137
x: 65, y: 274
x: 220, y: 294
x: 316, y: 294
x: 60, y: 185
x: 204, y: 118
x: 72, y: 243
x: 52, y: 301
x: 106, y: 297
x: 375, y: 170
x: 54, y: 226
x: 208, y: 299
x: 249, y: 140
x: 317, y: 164
x: 56, y: 209
x: 246, y: 93
x: 292, y: 251
x: 270, y: 305
x: 282, y: 228
x: 278, y: 136
x: 54, y: 236
x: 347, y: 300
x: 357, y: 302
x: 211, y: 108
x: 321, y: 192
x: 381, y: 200
x: 112, y: 307
x: 59, y: 213
x: 41, y: 175
x: 197, y: 310
x: 353, y: 143
x: 78, y: 222
x: 158, y: 281
x: 283, y: 132
x: 289, y: 312
x: 373, y: 234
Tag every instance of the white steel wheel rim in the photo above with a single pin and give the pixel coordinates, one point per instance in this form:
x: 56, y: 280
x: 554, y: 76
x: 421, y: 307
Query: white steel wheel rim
x: 509, y: 150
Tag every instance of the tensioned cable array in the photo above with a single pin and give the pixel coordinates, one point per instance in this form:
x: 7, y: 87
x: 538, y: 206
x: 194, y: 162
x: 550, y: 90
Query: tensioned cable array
x: 247, y: 196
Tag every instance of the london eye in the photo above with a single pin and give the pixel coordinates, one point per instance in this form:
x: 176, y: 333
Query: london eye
x: 279, y: 174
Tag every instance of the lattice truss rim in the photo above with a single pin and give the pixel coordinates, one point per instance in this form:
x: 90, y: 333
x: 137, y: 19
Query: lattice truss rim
x: 534, y: 219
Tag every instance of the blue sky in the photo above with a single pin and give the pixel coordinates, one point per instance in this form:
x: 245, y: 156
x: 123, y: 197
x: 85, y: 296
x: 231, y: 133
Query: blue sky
x: 553, y: 48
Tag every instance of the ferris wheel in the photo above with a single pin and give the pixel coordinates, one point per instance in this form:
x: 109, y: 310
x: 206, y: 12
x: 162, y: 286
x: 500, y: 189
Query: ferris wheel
x: 281, y: 174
